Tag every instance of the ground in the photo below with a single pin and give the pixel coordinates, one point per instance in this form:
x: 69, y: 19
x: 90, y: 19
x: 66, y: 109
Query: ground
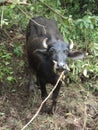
x: 77, y: 107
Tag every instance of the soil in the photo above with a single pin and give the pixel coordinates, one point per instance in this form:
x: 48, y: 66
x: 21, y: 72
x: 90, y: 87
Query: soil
x: 77, y: 107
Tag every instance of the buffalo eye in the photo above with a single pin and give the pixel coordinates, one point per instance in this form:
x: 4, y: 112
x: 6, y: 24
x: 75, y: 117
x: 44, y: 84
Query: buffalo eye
x: 52, y: 50
x: 66, y: 52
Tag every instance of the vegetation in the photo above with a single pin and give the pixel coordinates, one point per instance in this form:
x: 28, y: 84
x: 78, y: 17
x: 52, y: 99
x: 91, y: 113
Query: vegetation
x: 77, y: 20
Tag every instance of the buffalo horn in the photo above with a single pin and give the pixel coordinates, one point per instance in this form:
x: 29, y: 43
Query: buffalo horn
x: 44, y: 43
x: 71, y: 44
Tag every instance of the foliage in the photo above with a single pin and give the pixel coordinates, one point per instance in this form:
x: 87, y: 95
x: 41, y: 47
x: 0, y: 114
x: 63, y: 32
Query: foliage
x: 17, y: 50
x: 77, y: 20
x: 6, y: 70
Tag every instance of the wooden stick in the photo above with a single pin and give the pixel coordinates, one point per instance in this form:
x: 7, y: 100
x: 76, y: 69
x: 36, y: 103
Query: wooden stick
x: 7, y: 2
x: 36, y: 114
x: 59, y: 14
x: 85, y: 117
x: 30, y: 17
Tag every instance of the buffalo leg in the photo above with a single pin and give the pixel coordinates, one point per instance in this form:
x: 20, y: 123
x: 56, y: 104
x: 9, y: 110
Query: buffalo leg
x: 32, y: 81
x: 54, y: 97
x: 43, y: 94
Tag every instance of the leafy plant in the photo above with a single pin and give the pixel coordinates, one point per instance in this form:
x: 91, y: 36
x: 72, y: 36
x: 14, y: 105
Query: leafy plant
x: 17, y: 49
x: 6, y: 70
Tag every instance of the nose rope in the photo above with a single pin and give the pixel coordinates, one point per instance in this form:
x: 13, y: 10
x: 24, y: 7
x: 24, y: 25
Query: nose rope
x: 55, y: 66
x: 67, y: 68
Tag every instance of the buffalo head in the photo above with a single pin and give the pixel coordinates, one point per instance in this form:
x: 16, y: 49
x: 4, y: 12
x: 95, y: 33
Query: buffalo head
x: 59, y: 51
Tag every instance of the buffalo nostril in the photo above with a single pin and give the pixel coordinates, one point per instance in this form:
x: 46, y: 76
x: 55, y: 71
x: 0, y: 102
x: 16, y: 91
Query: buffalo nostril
x: 60, y: 66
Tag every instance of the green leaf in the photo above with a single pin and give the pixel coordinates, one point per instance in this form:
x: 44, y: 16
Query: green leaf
x: 10, y: 78
x: 2, y: 114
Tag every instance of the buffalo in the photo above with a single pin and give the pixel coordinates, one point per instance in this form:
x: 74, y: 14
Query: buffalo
x: 47, y: 54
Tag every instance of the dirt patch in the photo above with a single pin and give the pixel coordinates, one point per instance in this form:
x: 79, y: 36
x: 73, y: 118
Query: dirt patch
x: 77, y: 109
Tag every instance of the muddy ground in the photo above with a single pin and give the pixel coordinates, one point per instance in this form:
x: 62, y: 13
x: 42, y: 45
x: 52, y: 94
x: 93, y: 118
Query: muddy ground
x: 77, y: 107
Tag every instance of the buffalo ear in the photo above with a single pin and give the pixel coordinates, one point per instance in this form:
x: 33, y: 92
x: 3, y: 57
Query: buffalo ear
x: 76, y: 55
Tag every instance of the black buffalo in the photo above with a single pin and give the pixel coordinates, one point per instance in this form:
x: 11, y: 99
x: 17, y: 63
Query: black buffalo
x: 47, y: 53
